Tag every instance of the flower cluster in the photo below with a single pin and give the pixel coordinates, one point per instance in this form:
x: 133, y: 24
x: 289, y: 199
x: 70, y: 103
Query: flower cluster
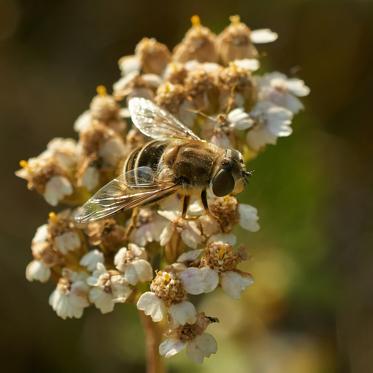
x: 154, y: 256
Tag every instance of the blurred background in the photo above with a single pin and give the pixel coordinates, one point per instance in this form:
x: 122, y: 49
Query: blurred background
x: 311, y: 309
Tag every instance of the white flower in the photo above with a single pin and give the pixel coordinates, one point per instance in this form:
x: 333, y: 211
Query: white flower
x: 90, y: 178
x: 271, y: 122
x: 68, y: 241
x: 83, y: 122
x: 133, y: 264
x: 152, y: 306
x: 234, y: 283
x: 37, y: 271
x: 129, y: 64
x: 188, y: 230
x: 228, y: 238
x: 148, y: 227
x: 282, y: 91
x: 198, y: 344
x: 250, y: 64
x: 190, y: 256
x: 199, y: 280
x: 91, y: 259
x: 56, y: 189
x: 41, y: 234
x: 112, y: 151
x: 108, y: 288
x: 64, y: 151
x: 262, y: 36
x: 248, y: 217
x: 220, y: 139
x: 239, y: 119
x: 70, y: 296
x: 218, y: 264
x: 167, y: 295
x: 208, y: 67
x: 201, y: 346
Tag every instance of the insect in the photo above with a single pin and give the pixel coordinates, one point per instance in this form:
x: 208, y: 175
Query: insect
x: 176, y: 160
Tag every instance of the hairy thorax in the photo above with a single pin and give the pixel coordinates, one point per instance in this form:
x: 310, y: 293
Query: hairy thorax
x: 192, y: 163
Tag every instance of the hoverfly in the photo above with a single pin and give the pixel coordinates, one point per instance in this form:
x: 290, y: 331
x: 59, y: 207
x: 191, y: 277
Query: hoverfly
x: 176, y: 160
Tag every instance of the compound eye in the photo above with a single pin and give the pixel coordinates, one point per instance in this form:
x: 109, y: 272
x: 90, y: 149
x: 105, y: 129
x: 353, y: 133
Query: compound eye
x: 222, y: 183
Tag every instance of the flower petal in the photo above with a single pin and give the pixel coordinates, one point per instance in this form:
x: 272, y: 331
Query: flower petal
x: 170, y: 347
x: 37, y: 270
x: 143, y: 269
x: 202, y: 346
x: 250, y: 64
x: 152, y: 306
x: 56, y: 189
x: 102, y: 300
x: 91, y: 259
x: 183, y: 313
x: 189, y: 256
x: 199, y: 280
x: 233, y: 283
x: 262, y: 36
x: 229, y: 238
x: 248, y: 217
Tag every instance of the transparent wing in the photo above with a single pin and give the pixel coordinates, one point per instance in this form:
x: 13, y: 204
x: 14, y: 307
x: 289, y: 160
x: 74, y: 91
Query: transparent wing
x: 157, y: 123
x: 129, y: 190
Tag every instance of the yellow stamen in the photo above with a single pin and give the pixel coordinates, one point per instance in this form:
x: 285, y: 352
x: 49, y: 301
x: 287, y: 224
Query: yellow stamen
x: 235, y: 20
x: 167, y: 87
x: 167, y: 277
x: 221, y: 253
x: 52, y: 216
x: 233, y: 66
x: 196, y: 21
x: 101, y: 90
x: 23, y: 163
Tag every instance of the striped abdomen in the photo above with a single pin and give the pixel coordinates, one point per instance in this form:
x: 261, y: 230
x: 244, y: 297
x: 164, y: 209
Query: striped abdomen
x: 148, y: 155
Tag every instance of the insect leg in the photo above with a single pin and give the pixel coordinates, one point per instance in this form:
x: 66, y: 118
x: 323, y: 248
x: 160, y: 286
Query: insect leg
x: 204, y: 201
x: 132, y: 223
x: 186, y: 201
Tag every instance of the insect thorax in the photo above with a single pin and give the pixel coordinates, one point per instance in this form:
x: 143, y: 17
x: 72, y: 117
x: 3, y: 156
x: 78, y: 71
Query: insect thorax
x: 192, y: 162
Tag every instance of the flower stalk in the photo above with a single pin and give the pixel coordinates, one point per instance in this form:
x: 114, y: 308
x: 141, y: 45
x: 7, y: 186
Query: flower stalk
x: 152, y: 331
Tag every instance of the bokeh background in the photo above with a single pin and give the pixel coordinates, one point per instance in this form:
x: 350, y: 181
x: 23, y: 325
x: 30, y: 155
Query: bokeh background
x: 311, y: 309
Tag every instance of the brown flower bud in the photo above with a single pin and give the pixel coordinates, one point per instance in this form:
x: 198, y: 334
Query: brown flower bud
x: 103, y: 107
x: 234, y: 43
x: 201, y: 87
x: 175, y: 73
x: 154, y: 56
x: 237, y: 88
x: 225, y: 211
x: 170, y: 96
x: 107, y: 233
x: 199, y: 44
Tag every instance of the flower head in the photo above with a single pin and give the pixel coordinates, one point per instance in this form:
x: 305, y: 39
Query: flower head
x: 132, y: 263
x: 71, y: 295
x: 167, y: 295
x: 108, y: 287
x: 192, y: 337
x: 217, y: 265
